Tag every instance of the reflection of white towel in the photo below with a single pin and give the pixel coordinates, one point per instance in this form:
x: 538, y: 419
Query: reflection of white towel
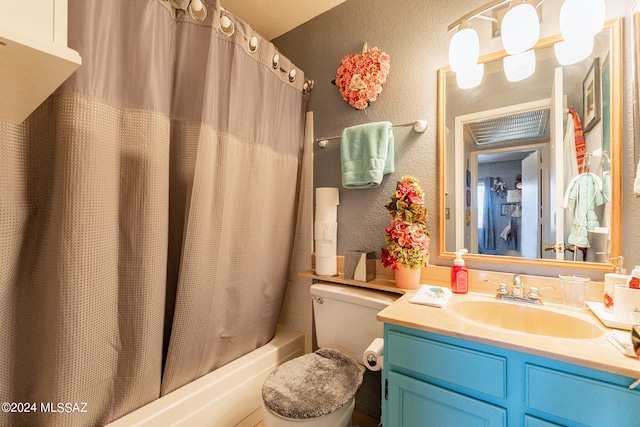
x: 505, y: 232
x: 636, y: 183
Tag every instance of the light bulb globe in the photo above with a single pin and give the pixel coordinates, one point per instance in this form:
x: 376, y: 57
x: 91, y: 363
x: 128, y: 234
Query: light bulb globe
x: 464, y: 49
x: 520, y: 66
x: 520, y: 29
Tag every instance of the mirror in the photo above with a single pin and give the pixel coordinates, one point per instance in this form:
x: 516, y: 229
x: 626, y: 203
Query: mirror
x: 506, y: 172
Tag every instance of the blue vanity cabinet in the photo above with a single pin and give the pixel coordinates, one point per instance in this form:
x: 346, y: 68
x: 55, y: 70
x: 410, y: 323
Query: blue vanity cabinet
x: 436, y: 380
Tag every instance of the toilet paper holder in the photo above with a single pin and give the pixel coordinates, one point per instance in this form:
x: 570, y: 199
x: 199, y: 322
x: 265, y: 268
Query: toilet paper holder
x: 373, y: 357
x: 372, y: 360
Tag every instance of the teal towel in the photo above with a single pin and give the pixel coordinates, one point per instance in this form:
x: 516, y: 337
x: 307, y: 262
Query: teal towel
x: 366, y: 154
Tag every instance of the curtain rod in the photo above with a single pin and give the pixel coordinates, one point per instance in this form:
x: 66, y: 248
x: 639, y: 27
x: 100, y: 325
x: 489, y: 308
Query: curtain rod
x: 419, y: 126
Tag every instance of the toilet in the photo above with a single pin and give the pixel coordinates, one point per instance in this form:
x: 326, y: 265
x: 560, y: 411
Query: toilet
x: 318, y: 389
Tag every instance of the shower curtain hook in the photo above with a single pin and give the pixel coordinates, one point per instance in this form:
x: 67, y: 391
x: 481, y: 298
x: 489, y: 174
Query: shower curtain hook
x: 197, y: 10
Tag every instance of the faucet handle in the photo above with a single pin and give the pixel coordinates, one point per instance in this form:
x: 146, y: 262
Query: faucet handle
x: 533, y: 291
x: 502, y: 287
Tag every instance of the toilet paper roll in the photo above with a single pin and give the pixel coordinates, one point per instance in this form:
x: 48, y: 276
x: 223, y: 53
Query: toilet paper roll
x: 327, y: 196
x: 326, y: 213
x: 326, y: 266
x: 610, y: 281
x: 325, y: 230
x: 373, y: 355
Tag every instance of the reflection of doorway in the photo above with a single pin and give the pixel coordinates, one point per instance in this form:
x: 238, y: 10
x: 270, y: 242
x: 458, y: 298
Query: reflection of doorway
x: 508, y: 219
x: 531, y: 205
x: 515, y: 132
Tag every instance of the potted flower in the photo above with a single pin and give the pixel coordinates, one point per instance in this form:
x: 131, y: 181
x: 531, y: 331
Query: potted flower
x: 407, y: 237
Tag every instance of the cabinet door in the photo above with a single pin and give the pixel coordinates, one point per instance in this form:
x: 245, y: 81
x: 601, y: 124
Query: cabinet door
x: 414, y: 403
x: 580, y: 400
x: 530, y: 421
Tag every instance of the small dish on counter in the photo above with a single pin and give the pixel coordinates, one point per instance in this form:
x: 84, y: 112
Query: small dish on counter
x: 607, y: 319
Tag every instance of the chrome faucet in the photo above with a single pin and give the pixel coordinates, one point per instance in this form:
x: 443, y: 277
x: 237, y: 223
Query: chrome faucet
x: 518, y: 293
x: 517, y: 288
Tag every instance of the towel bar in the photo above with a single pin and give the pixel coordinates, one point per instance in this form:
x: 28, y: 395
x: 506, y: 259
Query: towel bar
x: 419, y: 126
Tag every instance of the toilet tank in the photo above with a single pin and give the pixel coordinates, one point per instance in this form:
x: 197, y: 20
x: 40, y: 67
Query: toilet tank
x: 345, y: 317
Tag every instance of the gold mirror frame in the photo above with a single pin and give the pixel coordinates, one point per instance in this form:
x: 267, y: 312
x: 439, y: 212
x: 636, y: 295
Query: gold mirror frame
x: 615, y: 248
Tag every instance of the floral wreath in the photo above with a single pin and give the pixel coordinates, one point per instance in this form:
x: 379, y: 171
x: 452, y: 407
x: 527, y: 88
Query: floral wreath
x: 407, y: 237
x: 360, y: 77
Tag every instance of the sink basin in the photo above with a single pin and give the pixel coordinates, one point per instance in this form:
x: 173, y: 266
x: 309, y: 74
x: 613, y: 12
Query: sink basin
x: 528, y: 319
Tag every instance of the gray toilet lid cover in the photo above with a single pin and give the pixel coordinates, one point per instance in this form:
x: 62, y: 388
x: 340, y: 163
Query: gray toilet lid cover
x: 312, y: 385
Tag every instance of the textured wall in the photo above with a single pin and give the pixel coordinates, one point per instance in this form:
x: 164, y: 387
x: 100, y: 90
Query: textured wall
x: 414, y: 34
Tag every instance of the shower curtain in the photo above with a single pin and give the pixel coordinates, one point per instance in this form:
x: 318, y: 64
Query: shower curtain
x: 147, y: 212
x: 488, y: 241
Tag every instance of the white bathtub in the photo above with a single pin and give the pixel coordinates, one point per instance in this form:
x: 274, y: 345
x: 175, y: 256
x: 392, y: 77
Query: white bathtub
x: 229, y: 396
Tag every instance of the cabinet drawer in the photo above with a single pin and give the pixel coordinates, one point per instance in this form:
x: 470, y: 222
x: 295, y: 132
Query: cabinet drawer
x: 416, y: 403
x: 582, y: 400
x: 459, y: 367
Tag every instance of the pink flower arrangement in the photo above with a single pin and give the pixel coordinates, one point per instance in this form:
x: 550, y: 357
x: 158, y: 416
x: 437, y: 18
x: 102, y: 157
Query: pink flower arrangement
x: 360, y: 77
x: 407, y: 237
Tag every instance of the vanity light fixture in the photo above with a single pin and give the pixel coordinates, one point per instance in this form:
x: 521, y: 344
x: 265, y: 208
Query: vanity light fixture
x: 580, y: 20
x: 520, y: 30
x: 464, y: 48
x: 519, y: 66
x: 569, y: 51
x: 470, y: 77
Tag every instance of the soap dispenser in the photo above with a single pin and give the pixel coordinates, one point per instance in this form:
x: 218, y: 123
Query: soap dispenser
x: 459, y: 274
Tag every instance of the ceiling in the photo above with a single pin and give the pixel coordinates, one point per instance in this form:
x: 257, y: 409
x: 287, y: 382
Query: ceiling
x: 272, y: 18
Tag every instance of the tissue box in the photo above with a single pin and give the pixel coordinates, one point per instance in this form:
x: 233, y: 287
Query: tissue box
x: 360, y: 266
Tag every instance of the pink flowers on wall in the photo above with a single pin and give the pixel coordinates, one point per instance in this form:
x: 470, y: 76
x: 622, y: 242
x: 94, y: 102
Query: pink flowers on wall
x: 360, y: 77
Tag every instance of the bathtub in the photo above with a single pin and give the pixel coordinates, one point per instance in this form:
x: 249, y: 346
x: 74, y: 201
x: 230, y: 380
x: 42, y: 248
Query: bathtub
x: 229, y: 396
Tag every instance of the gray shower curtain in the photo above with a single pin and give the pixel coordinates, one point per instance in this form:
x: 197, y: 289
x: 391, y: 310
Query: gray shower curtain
x: 147, y: 212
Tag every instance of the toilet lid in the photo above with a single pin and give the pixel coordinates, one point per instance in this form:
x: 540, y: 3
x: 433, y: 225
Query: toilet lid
x: 312, y: 385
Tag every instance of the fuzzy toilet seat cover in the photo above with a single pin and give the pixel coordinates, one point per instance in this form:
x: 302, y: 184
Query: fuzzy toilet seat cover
x: 312, y: 385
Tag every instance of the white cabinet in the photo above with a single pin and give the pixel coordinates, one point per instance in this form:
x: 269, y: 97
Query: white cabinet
x: 34, y: 57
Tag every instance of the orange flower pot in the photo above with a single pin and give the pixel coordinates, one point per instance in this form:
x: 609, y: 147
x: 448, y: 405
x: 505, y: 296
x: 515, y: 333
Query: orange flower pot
x: 407, y: 278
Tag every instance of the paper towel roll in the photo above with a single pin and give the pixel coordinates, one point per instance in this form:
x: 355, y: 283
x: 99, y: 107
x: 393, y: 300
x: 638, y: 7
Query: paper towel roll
x: 373, y: 355
x: 327, y: 213
x: 327, y: 196
x: 610, y: 281
x: 326, y: 266
x: 325, y: 231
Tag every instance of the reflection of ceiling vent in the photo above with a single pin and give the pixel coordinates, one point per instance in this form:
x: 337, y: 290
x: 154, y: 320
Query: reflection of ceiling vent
x: 528, y: 125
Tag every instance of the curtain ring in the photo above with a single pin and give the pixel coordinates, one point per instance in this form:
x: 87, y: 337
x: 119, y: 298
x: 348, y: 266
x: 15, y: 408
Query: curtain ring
x: 292, y: 75
x: 307, y: 86
x: 253, y: 44
x: 197, y: 15
x: 226, y: 25
x: 275, y: 61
